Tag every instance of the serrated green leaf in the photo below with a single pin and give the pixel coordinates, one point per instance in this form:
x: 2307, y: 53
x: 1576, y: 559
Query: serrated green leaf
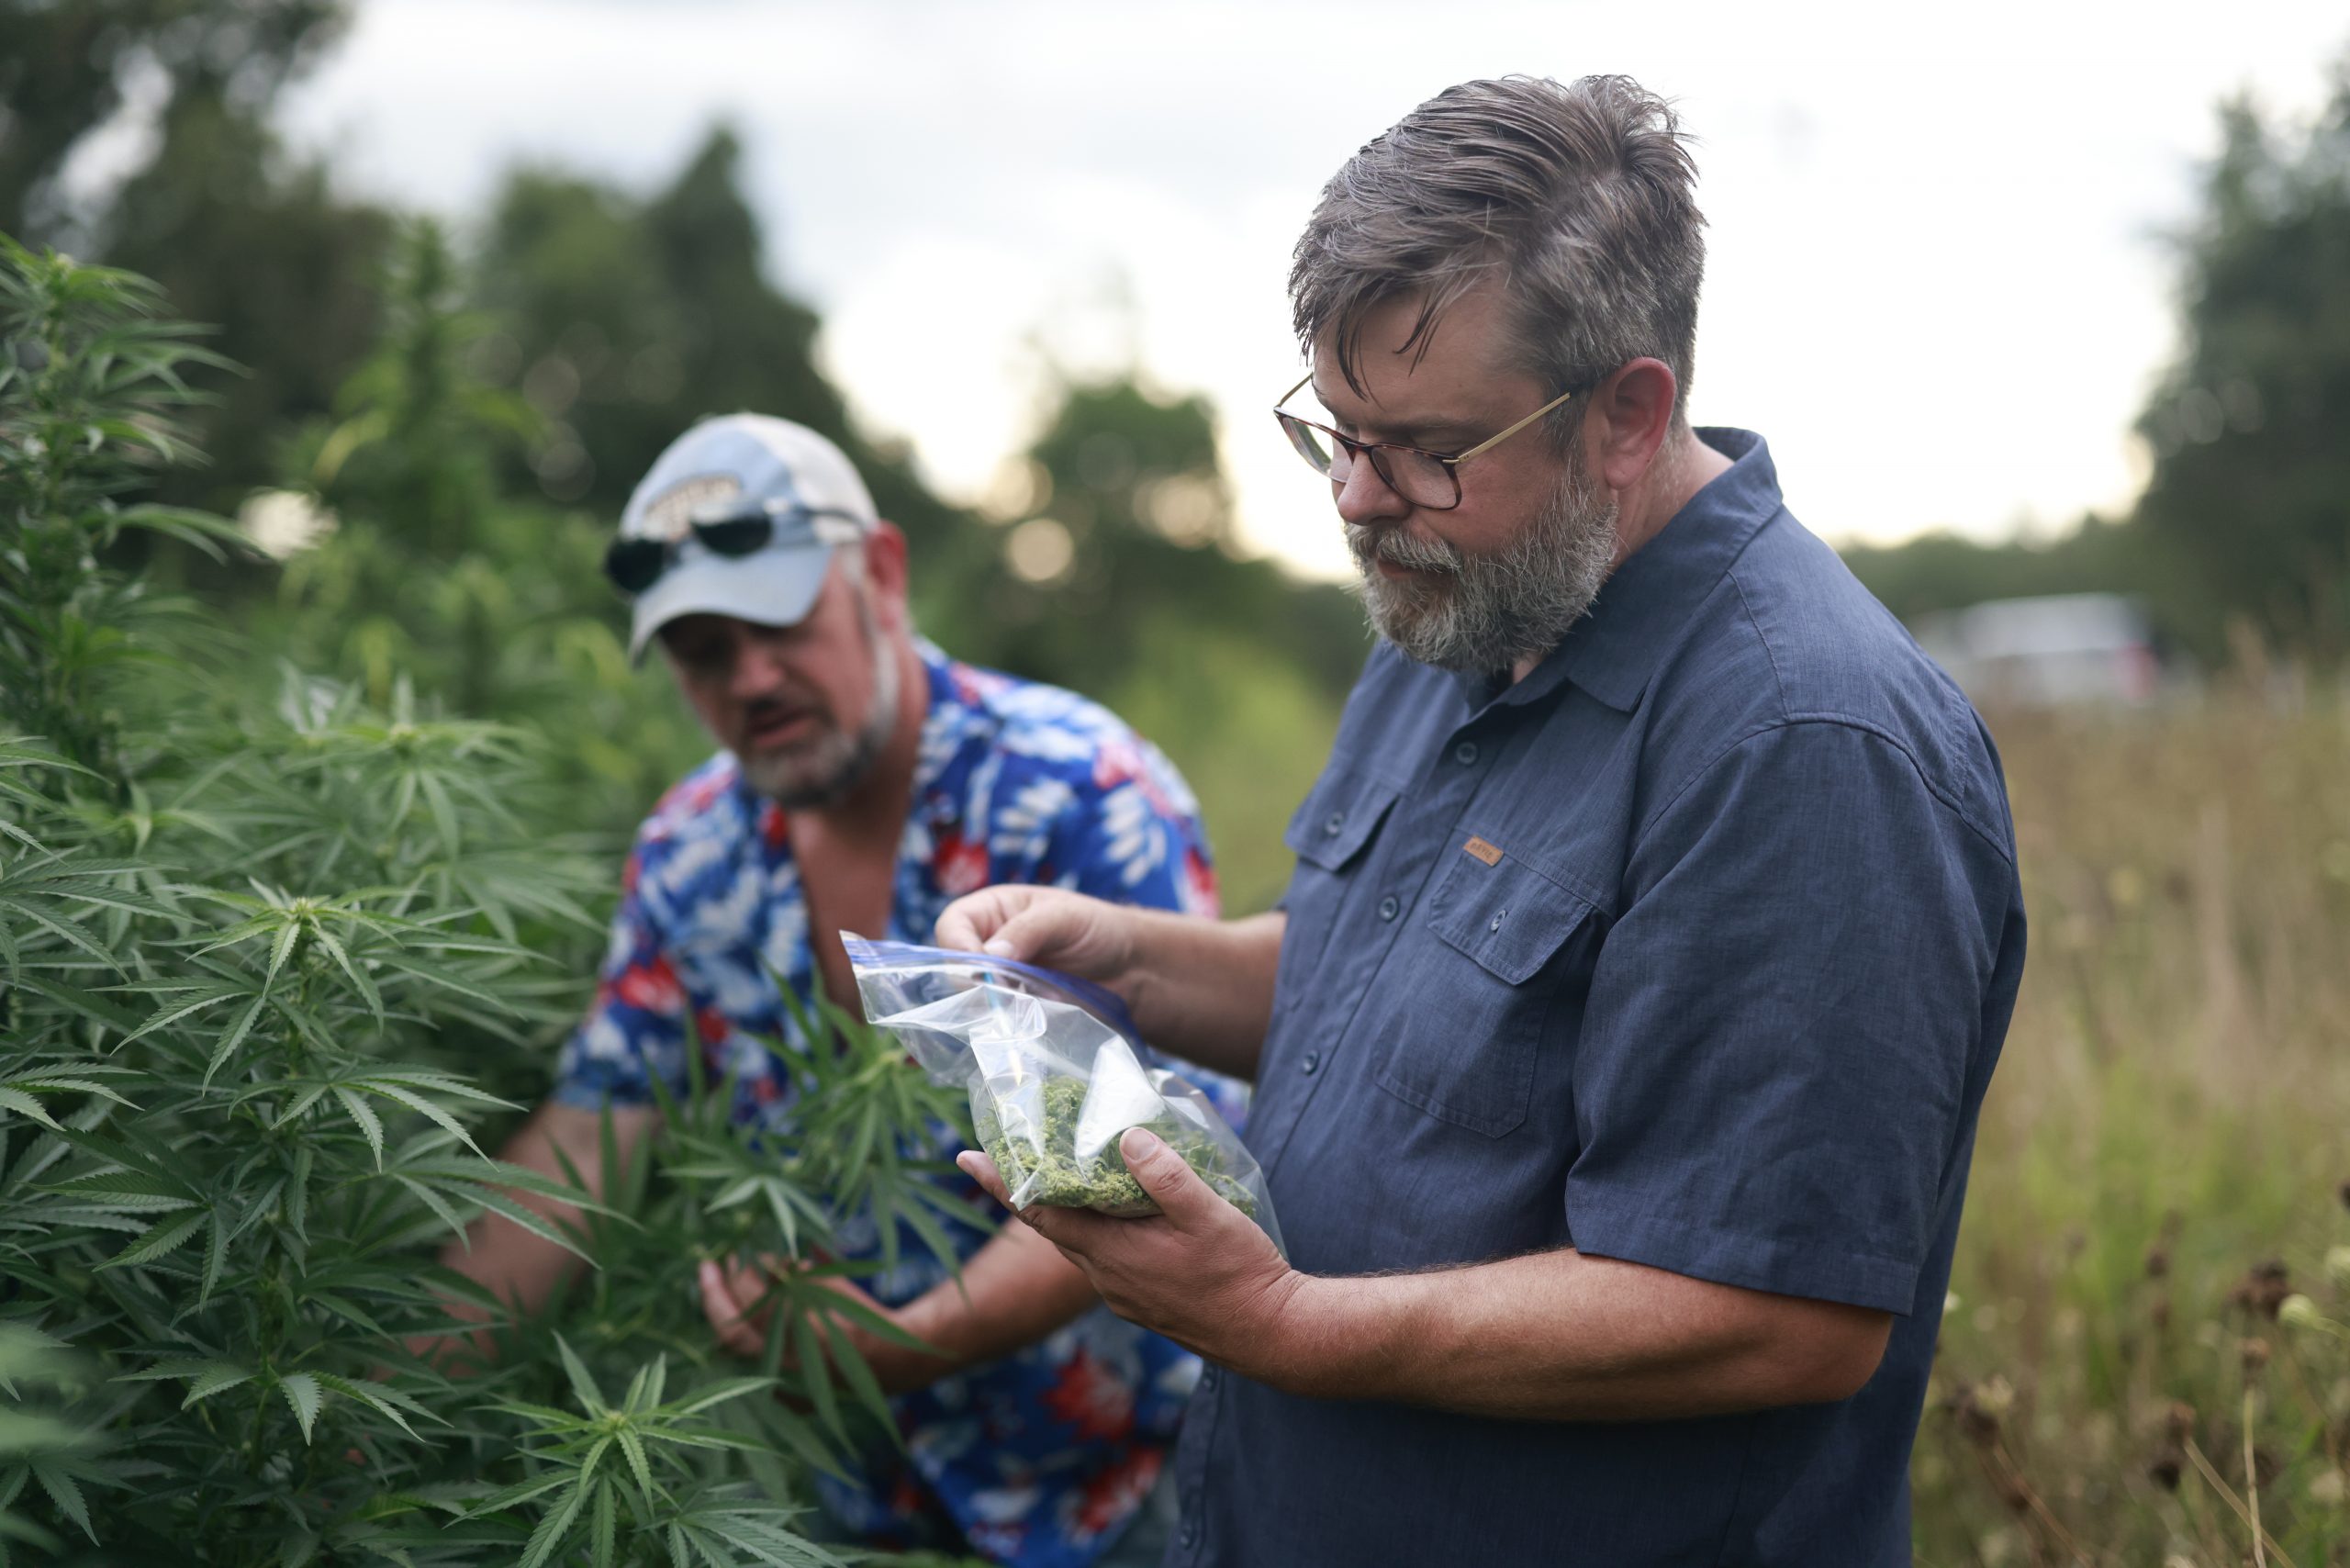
x: 356, y: 1107
x: 234, y: 1036
x: 583, y: 1384
x: 64, y: 1491
x: 221, y: 1376
x: 380, y: 1397
x: 548, y: 1537
x: 606, y: 1530
x: 301, y: 1391
x: 24, y: 1104
x: 159, y: 1241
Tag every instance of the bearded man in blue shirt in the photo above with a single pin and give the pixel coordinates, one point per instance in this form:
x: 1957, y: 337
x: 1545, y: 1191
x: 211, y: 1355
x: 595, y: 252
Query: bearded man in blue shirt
x: 1655, y: 931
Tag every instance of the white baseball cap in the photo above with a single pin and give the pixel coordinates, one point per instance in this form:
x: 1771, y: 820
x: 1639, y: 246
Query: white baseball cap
x: 783, y: 494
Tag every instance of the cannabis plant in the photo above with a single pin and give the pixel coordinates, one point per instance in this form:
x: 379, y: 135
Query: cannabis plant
x: 251, y: 959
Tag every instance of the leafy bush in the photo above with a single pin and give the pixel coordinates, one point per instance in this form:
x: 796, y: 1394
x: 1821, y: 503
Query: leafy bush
x: 251, y: 961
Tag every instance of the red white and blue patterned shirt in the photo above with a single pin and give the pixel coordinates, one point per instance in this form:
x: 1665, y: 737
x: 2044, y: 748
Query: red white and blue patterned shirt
x: 1040, y: 1458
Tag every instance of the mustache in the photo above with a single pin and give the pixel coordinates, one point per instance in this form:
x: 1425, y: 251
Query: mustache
x: 1398, y: 549
x: 770, y: 710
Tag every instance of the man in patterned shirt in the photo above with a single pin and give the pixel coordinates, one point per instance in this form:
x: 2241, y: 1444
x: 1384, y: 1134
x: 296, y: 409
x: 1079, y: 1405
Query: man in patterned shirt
x: 867, y: 781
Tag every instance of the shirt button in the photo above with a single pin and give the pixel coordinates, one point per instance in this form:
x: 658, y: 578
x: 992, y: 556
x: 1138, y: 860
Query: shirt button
x: 1338, y: 820
x: 1465, y: 753
x: 1313, y: 1059
x: 1207, y: 1378
x: 1191, y: 1534
x: 1496, y: 925
x: 1388, y: 908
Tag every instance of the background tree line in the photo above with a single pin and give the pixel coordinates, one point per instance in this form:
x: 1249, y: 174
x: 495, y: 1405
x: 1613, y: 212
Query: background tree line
x: 498, y: 394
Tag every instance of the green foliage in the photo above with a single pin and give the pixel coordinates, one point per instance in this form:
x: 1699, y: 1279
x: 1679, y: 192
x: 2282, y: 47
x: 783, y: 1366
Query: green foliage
x: 2251, y: 470
x: 625, y: 319
x: 493, y: 607
x: 247, y: 954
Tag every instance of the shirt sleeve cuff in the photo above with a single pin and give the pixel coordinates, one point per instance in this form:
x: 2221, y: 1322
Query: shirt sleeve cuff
x: 1749, y: 1263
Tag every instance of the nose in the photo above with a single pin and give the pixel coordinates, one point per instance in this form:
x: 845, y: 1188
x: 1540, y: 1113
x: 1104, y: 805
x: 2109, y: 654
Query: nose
x: 756, y: 673
x: 1365, y: 498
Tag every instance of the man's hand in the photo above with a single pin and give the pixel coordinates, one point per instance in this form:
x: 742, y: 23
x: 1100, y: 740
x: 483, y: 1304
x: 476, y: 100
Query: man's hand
x: 1051, y: 926
x: 1199, y: 1271
x: 1202, y: 989
x: 734, y: 1297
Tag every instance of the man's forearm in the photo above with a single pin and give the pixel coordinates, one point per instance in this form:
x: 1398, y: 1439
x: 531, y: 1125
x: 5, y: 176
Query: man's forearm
x: 1015, y: 1291
x: 1562, y: 1336
x: 1204, y: 988
x: 510, y: 1261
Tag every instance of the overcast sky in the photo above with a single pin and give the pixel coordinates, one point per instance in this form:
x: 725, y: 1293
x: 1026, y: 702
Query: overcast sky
x: 1936, y: 280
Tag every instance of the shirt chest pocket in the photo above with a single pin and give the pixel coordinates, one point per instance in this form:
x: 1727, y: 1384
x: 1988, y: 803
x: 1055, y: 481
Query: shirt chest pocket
x: 1472, y: 990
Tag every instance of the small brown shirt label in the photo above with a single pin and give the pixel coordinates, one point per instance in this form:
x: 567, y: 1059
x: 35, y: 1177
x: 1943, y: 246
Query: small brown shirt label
x: 1490, y: 853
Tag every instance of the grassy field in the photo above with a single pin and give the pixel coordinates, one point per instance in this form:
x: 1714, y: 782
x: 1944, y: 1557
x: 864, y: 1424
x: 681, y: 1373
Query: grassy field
x: 2125, y: 1375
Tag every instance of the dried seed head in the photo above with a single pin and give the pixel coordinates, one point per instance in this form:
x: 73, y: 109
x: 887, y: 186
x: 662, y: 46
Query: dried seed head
x: 2012, y: 1492
x: 2158, y: 1262
x: 2263, y: 1289
x: 2179, y: 1421
x: 1978, y: 1420
x: 2167, y: 1467
x: 2255, y: 1353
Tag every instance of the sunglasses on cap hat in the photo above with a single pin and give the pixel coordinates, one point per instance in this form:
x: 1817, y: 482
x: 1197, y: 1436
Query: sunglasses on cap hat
x: 635, y: 563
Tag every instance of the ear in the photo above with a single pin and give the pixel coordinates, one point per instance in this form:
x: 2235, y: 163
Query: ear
x: 1629, y: 416
x: 885, y: 573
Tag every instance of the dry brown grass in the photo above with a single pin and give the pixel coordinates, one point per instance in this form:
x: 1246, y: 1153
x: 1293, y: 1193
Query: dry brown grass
x: 2160, y: 1160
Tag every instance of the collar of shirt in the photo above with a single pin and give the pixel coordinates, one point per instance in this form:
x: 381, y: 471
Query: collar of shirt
x: 1639, y: 615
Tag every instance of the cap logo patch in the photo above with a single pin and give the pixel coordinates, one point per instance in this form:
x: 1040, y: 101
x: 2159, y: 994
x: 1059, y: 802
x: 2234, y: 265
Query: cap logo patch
x: 668, y: 514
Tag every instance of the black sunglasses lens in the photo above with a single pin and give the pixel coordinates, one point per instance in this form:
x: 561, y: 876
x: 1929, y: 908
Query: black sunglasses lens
x: 735, y: 535
x: 635, y: 565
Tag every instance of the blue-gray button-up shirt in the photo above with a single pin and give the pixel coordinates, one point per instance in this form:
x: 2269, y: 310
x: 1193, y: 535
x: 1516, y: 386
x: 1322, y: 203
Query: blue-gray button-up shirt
x: 1694, y: 948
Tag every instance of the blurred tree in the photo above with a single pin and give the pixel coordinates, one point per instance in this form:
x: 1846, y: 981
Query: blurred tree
x: 425, y: 570
x: 69, y: 70
x: 2251, y: 430
x: 1128, y: 524
x: 1119, y: 577
x: 208, y: 204
x: 629, y: 319
x: 1947, y: 571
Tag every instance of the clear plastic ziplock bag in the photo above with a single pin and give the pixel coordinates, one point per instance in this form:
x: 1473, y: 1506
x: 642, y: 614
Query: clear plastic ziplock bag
x: 1055, y: 1073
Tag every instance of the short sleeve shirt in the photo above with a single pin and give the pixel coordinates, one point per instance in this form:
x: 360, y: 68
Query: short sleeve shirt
x: 1696, y: 948
x: 1040, y: 1458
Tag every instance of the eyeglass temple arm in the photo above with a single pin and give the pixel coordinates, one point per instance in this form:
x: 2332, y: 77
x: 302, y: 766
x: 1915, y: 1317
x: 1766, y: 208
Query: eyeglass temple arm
x: 1492, y: 441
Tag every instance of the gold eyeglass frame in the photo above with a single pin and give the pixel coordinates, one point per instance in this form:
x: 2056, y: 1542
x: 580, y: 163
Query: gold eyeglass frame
x: 1451, y: 463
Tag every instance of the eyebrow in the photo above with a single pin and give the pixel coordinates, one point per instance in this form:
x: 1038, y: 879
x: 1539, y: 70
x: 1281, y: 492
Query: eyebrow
x: 1411, y: 434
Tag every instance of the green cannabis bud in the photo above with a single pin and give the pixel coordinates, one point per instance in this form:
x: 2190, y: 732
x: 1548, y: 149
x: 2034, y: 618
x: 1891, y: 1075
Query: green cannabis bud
x: 1041, y: 1165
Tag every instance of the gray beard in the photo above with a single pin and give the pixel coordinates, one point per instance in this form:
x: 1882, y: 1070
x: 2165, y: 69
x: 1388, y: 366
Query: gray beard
x: 825, y: 771
x: 1478, y: 613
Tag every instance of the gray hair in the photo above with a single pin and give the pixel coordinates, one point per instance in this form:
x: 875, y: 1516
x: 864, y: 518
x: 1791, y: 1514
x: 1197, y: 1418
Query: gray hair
x: 1577, y: 198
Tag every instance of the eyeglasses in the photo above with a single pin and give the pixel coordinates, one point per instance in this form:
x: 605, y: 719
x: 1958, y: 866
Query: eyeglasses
x: 634, y: 565
x: 1430, y: 479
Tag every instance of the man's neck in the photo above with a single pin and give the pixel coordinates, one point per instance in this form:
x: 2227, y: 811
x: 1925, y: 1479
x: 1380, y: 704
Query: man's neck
x: 1685, y: 466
